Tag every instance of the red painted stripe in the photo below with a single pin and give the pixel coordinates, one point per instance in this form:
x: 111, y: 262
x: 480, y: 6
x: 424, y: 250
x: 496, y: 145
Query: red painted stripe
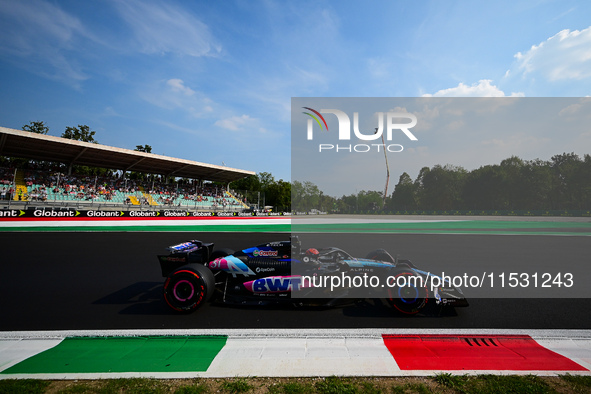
x: 475, y: 352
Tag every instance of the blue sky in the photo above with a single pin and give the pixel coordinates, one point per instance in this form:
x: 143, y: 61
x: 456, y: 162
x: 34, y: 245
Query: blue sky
x: 212, y: 81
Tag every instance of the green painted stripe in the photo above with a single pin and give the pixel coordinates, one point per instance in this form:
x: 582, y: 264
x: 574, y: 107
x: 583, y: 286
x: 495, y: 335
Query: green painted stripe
x: 460, y: 224
x: 124, y: 354
x: 462, y: 227
x: 394, y: 231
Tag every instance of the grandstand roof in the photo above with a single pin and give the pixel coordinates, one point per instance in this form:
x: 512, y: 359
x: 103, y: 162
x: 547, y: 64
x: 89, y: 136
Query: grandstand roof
x: 18, y: 143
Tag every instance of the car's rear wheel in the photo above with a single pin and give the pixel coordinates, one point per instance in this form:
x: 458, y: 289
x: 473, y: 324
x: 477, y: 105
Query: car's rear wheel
x: 189, y: 287
x: 407, y: 292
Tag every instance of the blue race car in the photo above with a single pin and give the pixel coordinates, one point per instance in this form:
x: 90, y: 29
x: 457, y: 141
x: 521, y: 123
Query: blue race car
x: 283, y: 272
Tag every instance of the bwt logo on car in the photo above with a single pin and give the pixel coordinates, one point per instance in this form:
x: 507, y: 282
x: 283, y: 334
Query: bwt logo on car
x: 274, y: 284
x: 345, y: 130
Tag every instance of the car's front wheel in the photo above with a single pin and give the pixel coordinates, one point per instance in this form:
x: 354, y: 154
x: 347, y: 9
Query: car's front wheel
x: 188, y: 287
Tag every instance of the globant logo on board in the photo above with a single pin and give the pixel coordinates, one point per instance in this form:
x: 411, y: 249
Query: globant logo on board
x: 393, y: 124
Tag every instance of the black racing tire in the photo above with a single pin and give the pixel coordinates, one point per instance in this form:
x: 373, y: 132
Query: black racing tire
x: 410, y: 298
x: 380, y: 255
x: 189, y: 287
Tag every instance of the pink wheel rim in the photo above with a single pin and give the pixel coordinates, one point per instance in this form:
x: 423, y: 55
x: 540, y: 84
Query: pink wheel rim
x: 176, y: 295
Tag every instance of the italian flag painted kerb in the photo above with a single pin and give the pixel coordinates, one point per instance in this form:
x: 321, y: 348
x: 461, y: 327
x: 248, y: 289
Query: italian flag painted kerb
x: 476, y: 353
x: 124, y: 354
x: 287, y: 355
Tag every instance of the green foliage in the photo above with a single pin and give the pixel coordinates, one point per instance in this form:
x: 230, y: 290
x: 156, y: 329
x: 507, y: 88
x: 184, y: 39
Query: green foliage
x: 561, y: 183
x: 335, y: 385
x: 508, y: 384
x: 198, y: 388
x: 236, y: 386
x: 133, y: 386
x: 250, y: 183
x: 32, y: 386
x: 291, y: 388
x: 579, y: 384
x: 411, y: 388
x: 278, y: 194
x: 274, y: 193
x: 451, y: 381
x: 37, y: 127
x: 80, y: 133
x: 369, y: 388
x: 143, y: 148
x: 484, y: 384
x: 404, y: 197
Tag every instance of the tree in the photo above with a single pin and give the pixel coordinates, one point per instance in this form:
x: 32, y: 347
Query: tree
x: 38, y: 127
x: 369, y: 201
x: 143, y: 148
x: 250, y: 183
x: 441, y: 187
x: 80, y: 133
x: 404, y: 196
x: 305, y: 196
x: 512, y: 170
x: 567, y: 185
x: 278, y: 194
x: 483, y: 189
x: 266, y: 179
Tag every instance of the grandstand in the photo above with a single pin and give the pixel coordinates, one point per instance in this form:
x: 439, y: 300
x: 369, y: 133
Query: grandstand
x: 195, y: 185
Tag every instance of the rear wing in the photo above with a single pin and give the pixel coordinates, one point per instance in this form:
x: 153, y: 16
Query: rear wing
x: 190, y: 252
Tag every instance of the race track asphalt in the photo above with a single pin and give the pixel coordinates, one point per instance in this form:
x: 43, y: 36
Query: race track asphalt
x: 112, y: 280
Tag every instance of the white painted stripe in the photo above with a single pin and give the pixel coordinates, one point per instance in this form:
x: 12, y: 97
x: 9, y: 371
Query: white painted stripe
x: 578, y: 350
x: 13, y: 351
x: 320, y: 356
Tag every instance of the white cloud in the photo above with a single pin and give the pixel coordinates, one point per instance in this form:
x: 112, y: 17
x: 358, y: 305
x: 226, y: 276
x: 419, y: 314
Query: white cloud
x: 178, y: 86
x: 517, y: 142
x: 40, y: 37
x: 564, y: 56
x: 378, y: 68
x: 163, y: 28
x: 175, y: 94
x: 483, y: 88
x: 235, y: 123
x: 581, y: 108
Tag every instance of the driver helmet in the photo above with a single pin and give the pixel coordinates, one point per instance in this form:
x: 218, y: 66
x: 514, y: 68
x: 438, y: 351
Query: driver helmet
x: 312, y: 252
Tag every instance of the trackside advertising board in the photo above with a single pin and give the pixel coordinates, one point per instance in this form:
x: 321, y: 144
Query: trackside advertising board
x: 40, y: 214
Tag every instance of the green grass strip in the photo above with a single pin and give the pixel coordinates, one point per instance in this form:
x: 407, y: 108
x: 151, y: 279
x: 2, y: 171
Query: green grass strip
x: 124, y: 354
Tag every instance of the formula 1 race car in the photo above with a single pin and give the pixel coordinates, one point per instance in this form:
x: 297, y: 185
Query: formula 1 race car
x: 283, y: 272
